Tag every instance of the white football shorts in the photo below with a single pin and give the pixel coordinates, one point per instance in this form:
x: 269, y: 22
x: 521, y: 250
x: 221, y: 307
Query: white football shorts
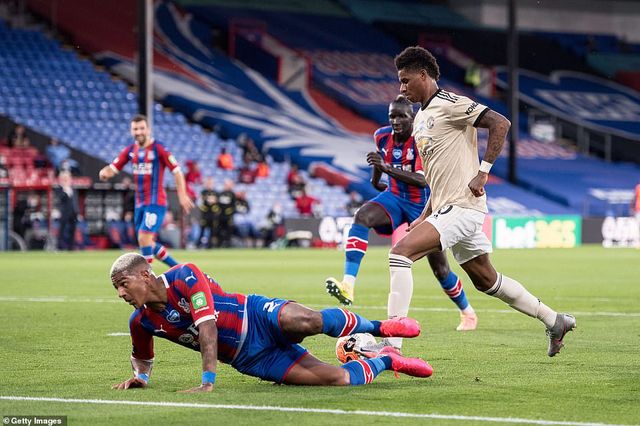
x: 461, y: 231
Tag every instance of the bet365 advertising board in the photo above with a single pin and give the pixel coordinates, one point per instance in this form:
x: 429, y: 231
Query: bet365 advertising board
x: 536, y: 232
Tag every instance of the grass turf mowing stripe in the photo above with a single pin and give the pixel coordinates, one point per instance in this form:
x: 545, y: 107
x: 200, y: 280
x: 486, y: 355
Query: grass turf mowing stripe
x: 306, y: 410
x: 63, y: 299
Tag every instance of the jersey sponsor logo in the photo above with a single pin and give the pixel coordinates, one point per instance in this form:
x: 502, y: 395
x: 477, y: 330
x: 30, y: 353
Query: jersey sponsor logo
x: 184, y: 305
x: 471, y: 108
x: 150, y: 220
x: 142, y: 169
x: 270, y: 306
x: 172, y: 160
x: 199, y: 300
x: 397, y: 153
x: 173, y: 316
x: 159, y: 330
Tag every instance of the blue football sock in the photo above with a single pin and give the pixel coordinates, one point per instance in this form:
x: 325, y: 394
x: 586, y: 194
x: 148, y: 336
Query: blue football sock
x: 162, y: 254
x: 355, y: 249
x: 147, y: 252
x: 363, y: 371
x: 338, y: 322
x: 453, y: 287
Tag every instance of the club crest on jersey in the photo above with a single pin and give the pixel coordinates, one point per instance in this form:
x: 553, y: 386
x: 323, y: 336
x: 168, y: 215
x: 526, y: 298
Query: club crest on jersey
x: 430, y: 122
x: 410, y: 155
x: 397, y: 153
x: 173, y: 316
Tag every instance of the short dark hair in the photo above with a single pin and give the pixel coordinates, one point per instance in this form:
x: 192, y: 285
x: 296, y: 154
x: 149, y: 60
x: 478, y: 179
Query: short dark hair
x: 416, y: 58
x: 402, y: 100
x: 138, y: 118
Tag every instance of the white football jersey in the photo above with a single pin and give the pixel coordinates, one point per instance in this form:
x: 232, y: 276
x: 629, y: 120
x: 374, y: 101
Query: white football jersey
x: 446, y: 137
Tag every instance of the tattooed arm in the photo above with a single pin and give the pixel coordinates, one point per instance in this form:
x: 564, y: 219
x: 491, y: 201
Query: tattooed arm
x: 498, y: 127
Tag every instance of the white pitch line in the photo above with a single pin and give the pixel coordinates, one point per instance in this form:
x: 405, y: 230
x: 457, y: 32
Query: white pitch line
x: 64, y: 299
x: 306, y: 410
x: 117, y: 334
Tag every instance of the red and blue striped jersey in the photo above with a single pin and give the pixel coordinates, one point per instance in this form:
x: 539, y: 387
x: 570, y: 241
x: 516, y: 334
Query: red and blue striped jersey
x: 192, y: 297
x: 148, y: 171
x: 401, y: 156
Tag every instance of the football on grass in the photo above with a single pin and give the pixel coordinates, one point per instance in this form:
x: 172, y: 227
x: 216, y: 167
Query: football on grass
x: 351, y: 347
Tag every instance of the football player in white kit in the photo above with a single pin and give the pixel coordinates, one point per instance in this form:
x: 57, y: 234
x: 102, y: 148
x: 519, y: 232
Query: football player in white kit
x: 445, y: 133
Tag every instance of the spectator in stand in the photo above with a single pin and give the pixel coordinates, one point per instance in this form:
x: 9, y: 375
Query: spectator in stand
x: 129, y: 196
x: 355, y: 202
x: 169, y: 232
x: 262, y: 169
x: 246, y: 173
x: 297, y: 186
x: 60, y: 157
x: 252, y: 151
x: 4, y: 172
x: 68, y: 206
x: 192, y: 178
x: 21, y: 212
x: 306, y: 204
x: 227, y: 200
x: 249, y: 148
x: 209, y: 214
x: 273, y: 228
x: 293, y: 171
x: 225, y: 160
x: 244, y: 227
x: 36, y: 232
x: 130, y: 237
x: 18, y: 137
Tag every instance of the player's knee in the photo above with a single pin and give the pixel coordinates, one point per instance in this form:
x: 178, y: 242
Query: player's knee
x: 363, y: 218
x: 311, y: 323
x: 441, y: 272
x: 400, y: 250
x: 339, y: 377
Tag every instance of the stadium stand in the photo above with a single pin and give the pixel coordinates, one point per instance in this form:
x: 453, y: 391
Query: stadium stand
x: 184, y: 51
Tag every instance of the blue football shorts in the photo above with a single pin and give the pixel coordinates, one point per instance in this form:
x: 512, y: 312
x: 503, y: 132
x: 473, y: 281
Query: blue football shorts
x: 398, y: 209
x: 266, y: 353
x: 149, y: 218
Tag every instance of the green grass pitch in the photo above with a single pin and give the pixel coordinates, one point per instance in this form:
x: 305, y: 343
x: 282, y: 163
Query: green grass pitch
x: 57, y: 311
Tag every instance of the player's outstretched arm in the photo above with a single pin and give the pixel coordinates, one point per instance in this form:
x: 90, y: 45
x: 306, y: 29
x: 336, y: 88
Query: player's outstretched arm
x: 498, y: 127
x: 181, y: 187
x: 208, y: 336
x: 141, y: 371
